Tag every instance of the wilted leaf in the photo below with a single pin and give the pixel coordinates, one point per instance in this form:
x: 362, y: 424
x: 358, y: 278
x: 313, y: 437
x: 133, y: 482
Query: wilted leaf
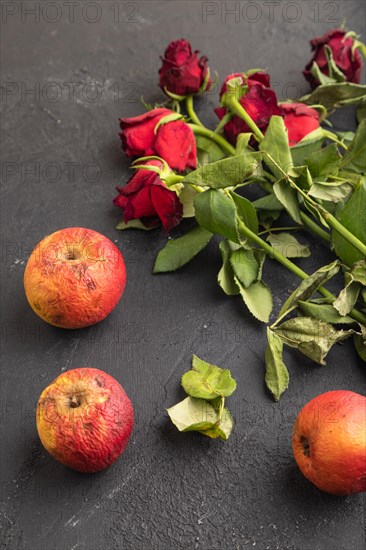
x: 336, y: 95
x: 309, y: 285
x: 311, y: 336
x: 192, y: 415
x: 354, y: 279
x: 332, y: 193
x: 348, y: 296
x: 324, y: 312
x: 277, y: 376
x: 288, y: 245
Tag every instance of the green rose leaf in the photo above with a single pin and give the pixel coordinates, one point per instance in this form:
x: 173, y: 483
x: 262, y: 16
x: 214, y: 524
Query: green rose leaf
x: 288, y: 245
x: 276, y: 149
x: 302, y: 150
x: 311, y: 337
x: 222, y: 173
x: 178, y: 252
x: 258, y: 299
x: 324, y: 312
x: 245, y: 266
x: 361, y: 111
x: 325, y: 162
x: 213, y: 150
x: 225, y: 277
x: 277, y: 376
x: 216, y: 212
x: 354, y: 159
x: 133, y: 224
x: 352, y: 216
x: 207, y: 381
x: 287, y: 196
x: 246, y: 212
x: 309, y: 285
x: 268, y: 209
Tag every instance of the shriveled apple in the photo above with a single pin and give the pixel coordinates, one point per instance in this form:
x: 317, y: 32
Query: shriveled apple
x: 85, y: 419
x: 74, y: 278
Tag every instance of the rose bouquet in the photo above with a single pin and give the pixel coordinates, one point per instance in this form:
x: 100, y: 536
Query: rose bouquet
x: 310, y: 178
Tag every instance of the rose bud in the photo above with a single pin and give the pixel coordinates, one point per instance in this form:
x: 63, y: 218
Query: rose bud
x: 348, y: 62
x: 183, y: 72
x: 173, y: 141
x: 258, y: 99
x: 146, y: 197
x: 299, y: 120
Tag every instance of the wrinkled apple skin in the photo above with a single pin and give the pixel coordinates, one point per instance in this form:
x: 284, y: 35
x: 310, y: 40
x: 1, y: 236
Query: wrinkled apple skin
x: 329, y: 442
x: 74, y: 278
x: 85, y: 419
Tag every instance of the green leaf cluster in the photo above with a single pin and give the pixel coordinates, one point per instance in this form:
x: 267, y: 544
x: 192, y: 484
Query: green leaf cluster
x: 204, y: 409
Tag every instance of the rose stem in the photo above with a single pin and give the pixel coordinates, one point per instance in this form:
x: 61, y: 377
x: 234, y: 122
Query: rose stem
x: 191, y: 112
x: 221, y: 141
x: 273, y: 253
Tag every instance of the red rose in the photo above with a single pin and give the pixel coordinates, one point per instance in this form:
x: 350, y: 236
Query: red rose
x: 147, y: 197
x: 182, y: 72
x: 260, y: 102
x: 174, y: 141
x: 299, y: 120
x: 349, y: 63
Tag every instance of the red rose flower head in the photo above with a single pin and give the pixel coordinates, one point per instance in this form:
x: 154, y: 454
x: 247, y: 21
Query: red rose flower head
x: 347, y: 61
x: 146, y: 197
x: 183, y: 72
x: 257, y: 98
x: 299, y: 120
x: 173, y: 141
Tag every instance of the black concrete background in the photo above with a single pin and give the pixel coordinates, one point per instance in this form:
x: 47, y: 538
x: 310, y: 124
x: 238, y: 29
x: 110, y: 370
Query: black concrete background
x: 168, y: 490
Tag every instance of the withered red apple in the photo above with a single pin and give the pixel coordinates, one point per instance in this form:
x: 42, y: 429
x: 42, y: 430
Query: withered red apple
x: 329, y: 442
x: 85, y: 419
x: 74, y: 278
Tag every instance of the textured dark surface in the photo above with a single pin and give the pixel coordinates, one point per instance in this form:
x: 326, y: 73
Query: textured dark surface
x: 169, y: 490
